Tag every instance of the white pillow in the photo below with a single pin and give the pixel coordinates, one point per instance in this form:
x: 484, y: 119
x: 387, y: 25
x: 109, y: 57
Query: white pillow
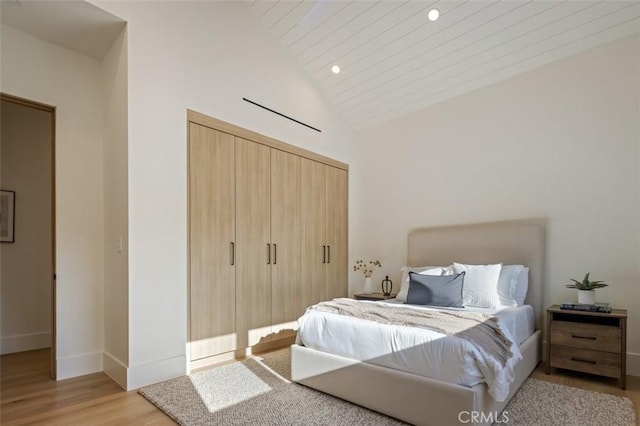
x: 424, y: 270
x: 507, y: 284
x: 522, y: 286
x: 480, y: 286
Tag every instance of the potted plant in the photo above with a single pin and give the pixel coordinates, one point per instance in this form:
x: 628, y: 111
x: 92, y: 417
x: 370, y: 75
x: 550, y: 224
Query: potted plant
x: 586, y: 289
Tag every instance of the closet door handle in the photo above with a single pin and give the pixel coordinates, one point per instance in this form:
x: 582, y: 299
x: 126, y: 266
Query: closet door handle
x: 275, y: 253
x: 268, y: 253
x: 233, y: 253
x: 324, y: 254
x: 328, y: 254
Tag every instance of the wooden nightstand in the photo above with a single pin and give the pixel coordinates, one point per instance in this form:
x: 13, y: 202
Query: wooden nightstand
x: 590, y: 342
x: 373, y: 296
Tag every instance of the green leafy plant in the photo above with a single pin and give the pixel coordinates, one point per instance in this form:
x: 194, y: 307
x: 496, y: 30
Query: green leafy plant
x: 585, y: 284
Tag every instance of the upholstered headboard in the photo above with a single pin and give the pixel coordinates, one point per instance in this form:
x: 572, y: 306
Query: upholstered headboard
x: 509, y: 243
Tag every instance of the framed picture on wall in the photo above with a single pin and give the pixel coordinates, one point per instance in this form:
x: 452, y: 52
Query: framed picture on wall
x: 7, y: 214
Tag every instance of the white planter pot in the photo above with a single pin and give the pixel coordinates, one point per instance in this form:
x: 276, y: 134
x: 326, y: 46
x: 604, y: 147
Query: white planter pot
x: 587, y: 296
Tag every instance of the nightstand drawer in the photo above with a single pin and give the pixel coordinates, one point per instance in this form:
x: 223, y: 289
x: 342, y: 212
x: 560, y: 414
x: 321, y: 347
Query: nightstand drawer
x: 589, y: 336
x: 585, y: 360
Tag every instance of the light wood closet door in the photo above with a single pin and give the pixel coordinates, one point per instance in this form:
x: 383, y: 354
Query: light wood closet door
x: 285, y: 236
x: 336, y: 196
x: 211, y: 233
x: 253, y: 224
x: 313, y: 235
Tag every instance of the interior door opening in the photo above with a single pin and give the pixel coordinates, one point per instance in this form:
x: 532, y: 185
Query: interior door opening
x: 27, y: 227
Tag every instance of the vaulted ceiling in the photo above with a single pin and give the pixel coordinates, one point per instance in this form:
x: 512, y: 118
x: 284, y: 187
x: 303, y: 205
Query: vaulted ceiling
x: 394, y: 60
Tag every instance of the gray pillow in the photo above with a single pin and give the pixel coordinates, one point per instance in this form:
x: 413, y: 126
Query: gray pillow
x: 434, y: 290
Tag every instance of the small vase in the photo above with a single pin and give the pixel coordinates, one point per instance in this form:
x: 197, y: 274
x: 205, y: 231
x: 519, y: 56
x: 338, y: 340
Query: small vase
x: 368, y: 285
x: 587, y: 296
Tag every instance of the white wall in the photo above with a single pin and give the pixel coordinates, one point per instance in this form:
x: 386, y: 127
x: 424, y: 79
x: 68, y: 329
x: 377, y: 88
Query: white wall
x: 27, y: 263
x: 205, y: 56
x: 38, y: 70
x: 116, y: 268
x: 561, y: 142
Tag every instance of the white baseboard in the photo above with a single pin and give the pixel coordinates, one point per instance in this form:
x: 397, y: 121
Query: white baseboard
x: 115, y: 369
x: 79, y: 365
x: 633, y: 364
x: 25, y: 342
x: 154, y: 372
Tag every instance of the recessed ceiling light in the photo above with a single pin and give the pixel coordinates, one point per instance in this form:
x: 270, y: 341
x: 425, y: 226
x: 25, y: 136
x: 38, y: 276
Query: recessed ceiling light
x: 335, y: 69
x: 433, y: 15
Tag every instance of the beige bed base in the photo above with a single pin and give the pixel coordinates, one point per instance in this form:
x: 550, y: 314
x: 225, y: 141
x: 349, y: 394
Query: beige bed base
x: 421, y: 400
x: 414, y: 399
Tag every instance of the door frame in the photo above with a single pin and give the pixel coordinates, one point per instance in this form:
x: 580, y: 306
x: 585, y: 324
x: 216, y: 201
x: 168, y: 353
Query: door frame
x: 52, y: 110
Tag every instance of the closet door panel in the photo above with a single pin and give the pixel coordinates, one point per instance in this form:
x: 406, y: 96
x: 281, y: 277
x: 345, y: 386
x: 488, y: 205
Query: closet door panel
x: 211, y: 232
x: 286, y: 286
x: 336, y: 203
x: 253, y: 223
x: 312, y: 232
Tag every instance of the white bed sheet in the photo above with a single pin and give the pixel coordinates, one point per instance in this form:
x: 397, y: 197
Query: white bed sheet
x: 415, y: 350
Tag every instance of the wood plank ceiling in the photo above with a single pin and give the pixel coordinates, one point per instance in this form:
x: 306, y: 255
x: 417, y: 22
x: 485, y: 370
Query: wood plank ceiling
x: 395, y: 61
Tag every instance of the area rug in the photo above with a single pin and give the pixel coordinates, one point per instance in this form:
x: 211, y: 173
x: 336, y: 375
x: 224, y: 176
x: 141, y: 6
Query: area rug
x: 257, y: 391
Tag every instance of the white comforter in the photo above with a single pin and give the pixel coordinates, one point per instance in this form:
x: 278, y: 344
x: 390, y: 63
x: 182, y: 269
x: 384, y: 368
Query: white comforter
x: 418, y: 351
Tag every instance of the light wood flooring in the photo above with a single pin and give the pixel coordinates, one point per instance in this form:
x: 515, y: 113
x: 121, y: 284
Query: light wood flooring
x: 29, y: 397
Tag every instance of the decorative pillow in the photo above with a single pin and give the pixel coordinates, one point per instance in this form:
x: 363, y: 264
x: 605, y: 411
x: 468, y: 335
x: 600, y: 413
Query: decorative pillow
x: 522, y: 286
x: 480, y: 284
x: 507, y: 284
x: 433, y: 290
x: 426, y: 270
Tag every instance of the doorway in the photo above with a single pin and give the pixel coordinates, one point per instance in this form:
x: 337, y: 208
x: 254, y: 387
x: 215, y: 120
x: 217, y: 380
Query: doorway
x: 27, y: 227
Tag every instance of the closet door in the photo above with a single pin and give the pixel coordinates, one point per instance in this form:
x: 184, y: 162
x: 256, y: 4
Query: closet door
x: 254, y: 254
x: 212, y: 290
x: 285, y: 238
x: 313, y: 250
x: 336, y: 204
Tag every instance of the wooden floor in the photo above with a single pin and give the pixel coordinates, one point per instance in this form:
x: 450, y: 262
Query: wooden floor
x: 28, y: 396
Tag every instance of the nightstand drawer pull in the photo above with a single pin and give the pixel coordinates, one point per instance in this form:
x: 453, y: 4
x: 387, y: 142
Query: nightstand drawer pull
x: 575, y: 336
x: 588, y: 361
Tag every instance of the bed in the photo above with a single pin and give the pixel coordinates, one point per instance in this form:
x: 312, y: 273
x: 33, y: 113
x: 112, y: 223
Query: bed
x: 422, y: 400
